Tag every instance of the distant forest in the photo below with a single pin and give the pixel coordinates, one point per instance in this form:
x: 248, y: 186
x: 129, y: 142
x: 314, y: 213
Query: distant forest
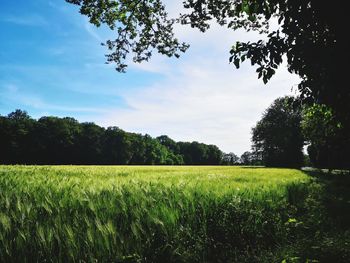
x: 54, y: 140
x: 277, y: 140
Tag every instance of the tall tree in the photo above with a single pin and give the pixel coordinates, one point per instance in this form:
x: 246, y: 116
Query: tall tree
x: 329, y: 142
x: 90, y: 143
x: 230, y: 159
x: 15, y: 134
x: 169, y: 143
x: 4, y: 140
x: 55, y: 140
x: 277, y: 137
x: 116, y: 146
x: 250, y: 158
x: 246, y: 158
x: 214, y: 155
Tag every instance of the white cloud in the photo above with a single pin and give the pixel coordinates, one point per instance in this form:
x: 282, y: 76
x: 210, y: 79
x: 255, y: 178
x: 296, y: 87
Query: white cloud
x: 202, y: 97
x: 210, y: 108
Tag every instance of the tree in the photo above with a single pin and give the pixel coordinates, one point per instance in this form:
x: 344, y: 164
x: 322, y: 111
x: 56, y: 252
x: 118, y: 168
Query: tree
x: 246, y: 158
x: 155, y: 152
x: 117, y: 147
x: 199, y: 153
x: 173, y: 156
x: 214, y: 155
x: 90, y: 144
x: 249, y: 158
x: 4, y: 140
x: 169, y: 143
x: 55, y: 140
x: 306, y: 35
x: 329, y: 143
x: 277, y: 137
x: 16, y: 130
x: 142, y: 26
x: 229, y: 159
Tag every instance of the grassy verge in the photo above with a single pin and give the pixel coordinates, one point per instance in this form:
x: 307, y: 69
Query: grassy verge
x: 322, y: 232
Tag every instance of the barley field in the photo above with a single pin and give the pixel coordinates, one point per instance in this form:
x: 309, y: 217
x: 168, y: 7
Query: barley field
x: 146, y: 213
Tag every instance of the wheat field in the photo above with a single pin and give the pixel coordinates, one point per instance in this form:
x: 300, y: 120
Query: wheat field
x: 143, y: 213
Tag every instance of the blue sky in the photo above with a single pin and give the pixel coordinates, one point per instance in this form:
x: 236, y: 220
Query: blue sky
x: 52, y: 63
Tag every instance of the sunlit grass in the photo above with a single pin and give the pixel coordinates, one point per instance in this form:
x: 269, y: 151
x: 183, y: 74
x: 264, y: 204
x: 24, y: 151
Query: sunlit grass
x: 141, y: 213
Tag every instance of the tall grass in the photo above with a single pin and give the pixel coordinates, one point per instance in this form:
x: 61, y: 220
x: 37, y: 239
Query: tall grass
x: 143, y: 214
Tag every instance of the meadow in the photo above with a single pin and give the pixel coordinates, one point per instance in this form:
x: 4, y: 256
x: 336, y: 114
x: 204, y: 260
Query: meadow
x: 164, y: 214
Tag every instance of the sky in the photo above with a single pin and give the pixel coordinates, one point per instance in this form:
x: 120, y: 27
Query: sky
x: 52, y: 63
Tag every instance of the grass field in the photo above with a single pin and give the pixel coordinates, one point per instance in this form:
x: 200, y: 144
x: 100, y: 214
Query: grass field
x: 166, y: 214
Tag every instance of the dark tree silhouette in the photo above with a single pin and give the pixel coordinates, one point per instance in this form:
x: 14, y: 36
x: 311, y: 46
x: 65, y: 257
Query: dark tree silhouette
x: 277, y: 137
x: 230, y: 159
x: 14, y: 135
x: 250, y: 158
x: 116, y: 146
x: 53, y: 140
x: 90, y: 143
x: 329, y: 143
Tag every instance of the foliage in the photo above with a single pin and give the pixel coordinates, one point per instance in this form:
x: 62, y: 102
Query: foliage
x: 53, y: 140
x: 250, y: 158
x: 277, y: 137
x: 230, y: 159
x: 305, y: 35
x: 142, y: 26
x: 199, y: 153
x: 329, y: 142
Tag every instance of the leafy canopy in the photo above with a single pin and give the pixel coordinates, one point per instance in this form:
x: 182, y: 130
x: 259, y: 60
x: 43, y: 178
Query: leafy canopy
x: 328, y: 140
x: 277, y: 137
x: 142, y: 26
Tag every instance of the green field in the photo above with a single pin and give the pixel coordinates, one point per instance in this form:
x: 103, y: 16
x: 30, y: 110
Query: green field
x: 158, y: 214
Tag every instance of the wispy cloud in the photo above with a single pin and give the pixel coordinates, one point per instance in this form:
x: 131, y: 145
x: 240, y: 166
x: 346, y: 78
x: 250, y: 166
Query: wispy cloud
x: 12, y: 93
x: 27, y: 20
x: 92, y: 31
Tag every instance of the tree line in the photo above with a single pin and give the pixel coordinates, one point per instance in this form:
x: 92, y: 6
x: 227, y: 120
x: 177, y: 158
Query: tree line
x: 54, y: 140
x: 288, y: 124
x: 278, y: 139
